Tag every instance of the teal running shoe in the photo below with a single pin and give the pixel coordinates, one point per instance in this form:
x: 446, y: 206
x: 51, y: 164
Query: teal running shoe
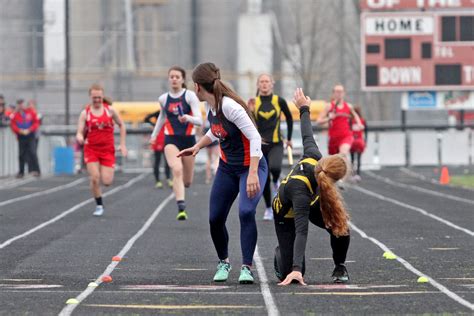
x: 246, y: 276
x: 222, y: 273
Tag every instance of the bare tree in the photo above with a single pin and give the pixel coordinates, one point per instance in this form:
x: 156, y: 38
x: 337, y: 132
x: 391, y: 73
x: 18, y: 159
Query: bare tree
x: 305, y: 44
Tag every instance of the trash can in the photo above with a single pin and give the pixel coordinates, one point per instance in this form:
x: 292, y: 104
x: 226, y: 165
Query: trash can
x: 63, y: 160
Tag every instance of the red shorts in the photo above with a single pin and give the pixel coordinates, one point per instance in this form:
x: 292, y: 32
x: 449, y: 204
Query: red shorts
x: 358, y: 146
x: 337, y: 141
x: 105, y: 157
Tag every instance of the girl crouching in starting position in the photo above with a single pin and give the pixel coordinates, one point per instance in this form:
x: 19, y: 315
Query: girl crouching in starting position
x: 309, y: 194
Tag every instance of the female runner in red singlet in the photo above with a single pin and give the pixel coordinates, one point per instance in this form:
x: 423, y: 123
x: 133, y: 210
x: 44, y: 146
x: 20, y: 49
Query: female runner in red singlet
x: 99, y: 149
x: 339, y: 113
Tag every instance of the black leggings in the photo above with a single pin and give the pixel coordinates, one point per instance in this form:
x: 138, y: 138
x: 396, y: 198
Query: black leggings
x: 285, y: 231
x: 156, y: 166
x: 27, y: 153
x: 273, y: 153
x: 358, y: 157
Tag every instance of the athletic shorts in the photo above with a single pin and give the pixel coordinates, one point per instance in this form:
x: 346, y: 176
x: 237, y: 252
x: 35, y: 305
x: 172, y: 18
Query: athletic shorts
x: 105, y: 158
x: 181, y: 142
x: 358, y: 145
x: 336, y: 142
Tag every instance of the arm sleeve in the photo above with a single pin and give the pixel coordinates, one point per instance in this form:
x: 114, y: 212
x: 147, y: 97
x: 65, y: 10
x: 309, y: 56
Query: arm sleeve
x: 160, y: 121
x: 289, y: 118
x: 236, y: 114
x: 310, y: 148
x: 13, y: 125
x: 192, y: 99
x: 211, y: 136
x: 35, y: 124
x: 301, y: 200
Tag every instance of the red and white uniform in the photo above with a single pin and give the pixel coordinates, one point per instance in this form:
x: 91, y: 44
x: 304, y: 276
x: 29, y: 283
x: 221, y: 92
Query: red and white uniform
x: 99, y: 144
x: 339, y: 127
x: 358, y: 145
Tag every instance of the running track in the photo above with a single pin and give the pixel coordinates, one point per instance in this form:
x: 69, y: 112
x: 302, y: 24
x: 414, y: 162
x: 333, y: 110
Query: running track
x: 51, y: 248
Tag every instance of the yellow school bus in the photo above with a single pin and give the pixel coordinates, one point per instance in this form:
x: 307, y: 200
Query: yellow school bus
x: 135, y: 112
x: 316, y: 108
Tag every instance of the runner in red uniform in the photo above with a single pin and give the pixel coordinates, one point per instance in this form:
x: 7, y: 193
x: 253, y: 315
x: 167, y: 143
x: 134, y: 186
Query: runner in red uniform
x: 96, y: 131
x: 339, y: 113
x: 359, y: 143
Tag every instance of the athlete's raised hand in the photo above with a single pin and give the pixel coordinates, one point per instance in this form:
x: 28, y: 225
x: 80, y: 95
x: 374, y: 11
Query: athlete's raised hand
x: 295, y: 275
x: 191, y: 151
x: 299, y: 99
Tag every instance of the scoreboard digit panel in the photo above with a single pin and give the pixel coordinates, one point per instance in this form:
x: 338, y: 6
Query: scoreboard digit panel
x: 417, y: 51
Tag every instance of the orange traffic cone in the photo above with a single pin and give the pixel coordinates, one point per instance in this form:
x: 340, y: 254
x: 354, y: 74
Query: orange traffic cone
x: 444, y: 178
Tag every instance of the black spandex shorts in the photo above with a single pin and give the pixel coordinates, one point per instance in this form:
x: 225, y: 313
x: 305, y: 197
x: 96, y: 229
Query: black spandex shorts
x: 182, y: 142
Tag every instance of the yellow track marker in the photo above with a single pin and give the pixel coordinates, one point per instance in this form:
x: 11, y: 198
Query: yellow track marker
x: 72, y: 301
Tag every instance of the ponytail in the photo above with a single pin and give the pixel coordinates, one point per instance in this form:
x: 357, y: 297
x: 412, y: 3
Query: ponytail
x: 329, y: 170
x: 208, y: 76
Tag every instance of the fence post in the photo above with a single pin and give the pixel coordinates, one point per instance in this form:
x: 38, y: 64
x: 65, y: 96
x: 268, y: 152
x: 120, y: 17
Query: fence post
x: 439, y: 142
x: 470, y: 144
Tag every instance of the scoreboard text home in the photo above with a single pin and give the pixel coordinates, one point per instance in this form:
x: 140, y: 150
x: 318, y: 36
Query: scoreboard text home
x: 406, y: 50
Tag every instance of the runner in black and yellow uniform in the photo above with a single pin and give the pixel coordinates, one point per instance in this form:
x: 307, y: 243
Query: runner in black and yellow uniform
x: 308, y: 194
x: 268, y: 109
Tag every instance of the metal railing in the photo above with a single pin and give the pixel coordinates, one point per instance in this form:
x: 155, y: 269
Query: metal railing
x: 414, y: 145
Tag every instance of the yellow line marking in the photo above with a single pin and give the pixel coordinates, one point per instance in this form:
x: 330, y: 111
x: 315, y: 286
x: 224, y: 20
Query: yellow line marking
x: 443, y: 248
x: 364, y: 293
x: 174, y: 306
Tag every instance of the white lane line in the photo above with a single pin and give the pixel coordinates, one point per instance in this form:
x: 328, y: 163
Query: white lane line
x: 408, y: 266
x: 16, y: 182
x: 416, y: 188
x: 414, y: 208
x: 69, y: 211
x: 48, y: 191
x: 68, y: 309
x: 264, y: 287
x: 432, y: 181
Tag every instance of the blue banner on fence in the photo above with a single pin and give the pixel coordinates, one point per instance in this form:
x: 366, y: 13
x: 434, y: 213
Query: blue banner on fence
x: 422, y: 100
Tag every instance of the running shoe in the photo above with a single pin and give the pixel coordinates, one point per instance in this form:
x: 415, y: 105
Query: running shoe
x: 99, y: 210
x: 170, y: 183
x: 268, y: 215
x: 182, y: 216
x: 246, y: 276
x: 159, y: 185
x: 340, y: 274
x: 222, y: 273
x: 19, y: 175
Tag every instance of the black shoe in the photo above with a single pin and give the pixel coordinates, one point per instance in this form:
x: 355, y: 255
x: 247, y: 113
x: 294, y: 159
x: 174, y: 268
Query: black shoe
x: 340, y: 275
x: 20, y: 175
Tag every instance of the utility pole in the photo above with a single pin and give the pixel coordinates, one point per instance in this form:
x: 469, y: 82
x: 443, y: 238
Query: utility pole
x: 67, y: 63
x: 342, y: 42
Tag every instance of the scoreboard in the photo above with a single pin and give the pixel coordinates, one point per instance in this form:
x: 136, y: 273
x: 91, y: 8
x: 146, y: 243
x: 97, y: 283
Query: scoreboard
x: 409, y: 49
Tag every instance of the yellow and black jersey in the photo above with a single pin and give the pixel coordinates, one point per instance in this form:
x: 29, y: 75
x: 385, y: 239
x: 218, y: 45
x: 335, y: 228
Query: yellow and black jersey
x: 267, y: 113
x: 299, y: 191
x: 301, y: 178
